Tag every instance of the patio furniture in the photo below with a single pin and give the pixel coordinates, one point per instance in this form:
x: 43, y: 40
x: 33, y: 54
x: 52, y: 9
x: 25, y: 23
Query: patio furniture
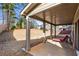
x: 64, y: 35
x: 60, y: 38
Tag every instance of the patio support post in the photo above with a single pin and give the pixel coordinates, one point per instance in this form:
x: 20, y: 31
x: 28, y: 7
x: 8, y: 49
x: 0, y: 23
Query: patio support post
x: 55, y: 30
x: 44, y: 25
x: 55, y: 25
x: 51, y: 31
x: 44, y: 32
x: 27, y: 42
x: 51, y: 24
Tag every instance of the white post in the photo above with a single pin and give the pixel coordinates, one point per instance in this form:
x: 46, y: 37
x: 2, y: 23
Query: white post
x: 44, y: 32
x: 27, y: 42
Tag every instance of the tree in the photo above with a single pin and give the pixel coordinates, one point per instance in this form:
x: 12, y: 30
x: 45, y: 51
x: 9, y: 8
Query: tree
x: 9, y: 9
x: 20, y: 24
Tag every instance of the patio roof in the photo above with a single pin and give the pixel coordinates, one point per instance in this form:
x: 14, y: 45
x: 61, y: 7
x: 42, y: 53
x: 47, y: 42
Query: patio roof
x: 61, y: 13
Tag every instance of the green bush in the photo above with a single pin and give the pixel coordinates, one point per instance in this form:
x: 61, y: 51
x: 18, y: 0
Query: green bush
x: 13, y: 27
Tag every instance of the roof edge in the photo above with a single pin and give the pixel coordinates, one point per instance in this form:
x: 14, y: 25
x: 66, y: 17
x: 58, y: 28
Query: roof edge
x: 26, y: 8
x: 29, y: 8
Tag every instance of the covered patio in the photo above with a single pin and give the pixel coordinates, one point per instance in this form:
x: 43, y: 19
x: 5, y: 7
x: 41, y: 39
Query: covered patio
x: 54, y: 14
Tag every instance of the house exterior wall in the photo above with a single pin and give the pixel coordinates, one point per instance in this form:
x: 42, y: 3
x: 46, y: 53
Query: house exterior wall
x: 75, y: 30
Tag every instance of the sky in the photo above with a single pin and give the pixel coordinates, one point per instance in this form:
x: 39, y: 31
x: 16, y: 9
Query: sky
x: 0, y: 14
x: 20, y: 7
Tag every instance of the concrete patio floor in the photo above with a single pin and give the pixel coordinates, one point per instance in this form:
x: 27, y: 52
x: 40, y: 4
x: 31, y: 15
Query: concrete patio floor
x: 51, y: 48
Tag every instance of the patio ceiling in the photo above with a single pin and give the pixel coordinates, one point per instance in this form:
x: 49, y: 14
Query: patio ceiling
x: 54, y: 13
